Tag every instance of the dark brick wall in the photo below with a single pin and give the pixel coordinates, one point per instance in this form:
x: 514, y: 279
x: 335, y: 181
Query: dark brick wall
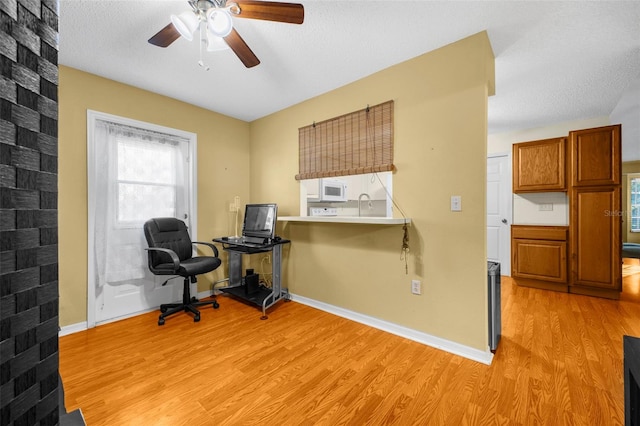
x: 28, y: 212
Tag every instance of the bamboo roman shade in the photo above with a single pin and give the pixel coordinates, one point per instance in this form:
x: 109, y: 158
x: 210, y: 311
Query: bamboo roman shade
x: 355, y: 143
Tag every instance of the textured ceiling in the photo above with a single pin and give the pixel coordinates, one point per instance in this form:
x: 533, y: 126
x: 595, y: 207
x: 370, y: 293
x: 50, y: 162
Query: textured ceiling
x: 555, y: 61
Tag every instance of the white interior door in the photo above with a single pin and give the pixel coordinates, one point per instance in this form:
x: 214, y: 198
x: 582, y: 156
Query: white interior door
x: 134, y: 174
x: 499, y: 211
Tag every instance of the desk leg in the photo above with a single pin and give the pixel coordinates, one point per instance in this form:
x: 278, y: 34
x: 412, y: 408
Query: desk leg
x: 276, y: 281
x: 235, y: 269
x: 276, y: 271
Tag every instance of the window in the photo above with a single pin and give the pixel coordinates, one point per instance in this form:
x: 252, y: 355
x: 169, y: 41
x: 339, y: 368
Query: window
x: 360, y: 142
x: 142, y: 172
x: 146, y: 188
x: 634, y: 203
x: 363, y: 195
x: 135, y: 171
x: 346, y: 164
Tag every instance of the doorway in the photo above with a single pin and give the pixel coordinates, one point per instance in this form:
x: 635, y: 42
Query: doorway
x: 499, y: 211
x: 136, y: 171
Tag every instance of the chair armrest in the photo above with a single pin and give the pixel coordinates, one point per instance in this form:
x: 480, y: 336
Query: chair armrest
x: 174, y: 256
x: 214, y: 248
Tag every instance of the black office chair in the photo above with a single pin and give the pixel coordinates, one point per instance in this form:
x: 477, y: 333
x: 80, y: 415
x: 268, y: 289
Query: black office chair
x: 170, y: 253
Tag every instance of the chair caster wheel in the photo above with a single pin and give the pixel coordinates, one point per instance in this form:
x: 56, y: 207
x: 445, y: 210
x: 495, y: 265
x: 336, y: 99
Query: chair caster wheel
x: 196, y: 318
x: 163, y: 310
x: 194, y: 300
x: 161, y: 321
x: 216, y: 305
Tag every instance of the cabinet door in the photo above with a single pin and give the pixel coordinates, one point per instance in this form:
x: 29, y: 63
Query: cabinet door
x: 354, y: 186
x: 375, y: 188
x: 595, y: 156
x: 540, y: 166
x: 540, y: 260
x: 313, y: 188
x: 596, y: 237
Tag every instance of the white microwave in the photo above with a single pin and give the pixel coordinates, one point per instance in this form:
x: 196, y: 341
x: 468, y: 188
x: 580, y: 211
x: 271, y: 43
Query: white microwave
x: 329, y: 191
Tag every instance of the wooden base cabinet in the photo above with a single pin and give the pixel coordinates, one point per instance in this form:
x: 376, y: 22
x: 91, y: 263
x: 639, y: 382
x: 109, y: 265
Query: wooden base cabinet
x: 595, y: 241
x: 539, y: 256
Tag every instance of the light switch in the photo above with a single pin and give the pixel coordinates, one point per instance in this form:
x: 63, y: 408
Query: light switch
x: 456, y: 203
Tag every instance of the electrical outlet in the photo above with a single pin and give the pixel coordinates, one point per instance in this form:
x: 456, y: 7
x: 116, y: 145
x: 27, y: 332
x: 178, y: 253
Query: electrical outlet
x: 232, y: 207
x: 456, y: 203
x: 416, y: 287
x: 545, y: 207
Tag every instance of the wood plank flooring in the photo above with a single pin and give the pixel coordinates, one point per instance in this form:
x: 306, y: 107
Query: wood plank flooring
x: 559, y: 363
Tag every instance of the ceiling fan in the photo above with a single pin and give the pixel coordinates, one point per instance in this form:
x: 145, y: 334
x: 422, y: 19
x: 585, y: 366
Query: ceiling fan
x: 218, y: 24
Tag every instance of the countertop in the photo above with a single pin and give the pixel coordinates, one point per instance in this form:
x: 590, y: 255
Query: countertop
x: 346, y: 219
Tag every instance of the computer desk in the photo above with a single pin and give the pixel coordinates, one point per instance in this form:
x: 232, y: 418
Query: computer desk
x: 263, y: 297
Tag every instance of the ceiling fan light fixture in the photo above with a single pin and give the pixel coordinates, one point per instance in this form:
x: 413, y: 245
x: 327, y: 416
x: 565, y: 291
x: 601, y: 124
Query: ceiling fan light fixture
x: 219, y: 22
x: 186, y: 24
x: 215, y: 43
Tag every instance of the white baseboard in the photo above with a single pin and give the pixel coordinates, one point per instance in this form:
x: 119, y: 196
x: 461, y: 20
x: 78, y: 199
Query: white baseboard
x: 408, y: 333
x: 73, y: 328
x: 81, y: 326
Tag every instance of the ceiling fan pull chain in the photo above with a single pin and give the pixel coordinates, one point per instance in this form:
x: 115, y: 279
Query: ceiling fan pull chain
x: 202, y: 41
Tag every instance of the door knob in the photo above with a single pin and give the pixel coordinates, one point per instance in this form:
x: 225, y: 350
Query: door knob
x: 504, y: 221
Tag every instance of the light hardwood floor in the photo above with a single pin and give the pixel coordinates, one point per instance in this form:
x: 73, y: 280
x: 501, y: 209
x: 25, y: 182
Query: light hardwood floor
x: 559, y: 362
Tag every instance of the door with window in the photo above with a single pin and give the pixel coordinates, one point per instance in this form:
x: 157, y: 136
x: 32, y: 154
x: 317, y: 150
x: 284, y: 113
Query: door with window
x: 137, y: 171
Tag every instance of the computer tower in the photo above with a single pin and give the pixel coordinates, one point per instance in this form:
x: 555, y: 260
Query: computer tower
x: 251, y: 284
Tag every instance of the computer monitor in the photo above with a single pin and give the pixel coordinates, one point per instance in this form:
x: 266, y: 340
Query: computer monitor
x: 260, y: 220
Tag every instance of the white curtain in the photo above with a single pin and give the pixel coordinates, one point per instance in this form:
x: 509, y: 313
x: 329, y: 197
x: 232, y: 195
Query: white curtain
x: 139, y: 175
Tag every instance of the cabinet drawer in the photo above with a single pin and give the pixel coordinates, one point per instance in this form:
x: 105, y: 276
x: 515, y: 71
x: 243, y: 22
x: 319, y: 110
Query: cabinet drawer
x: 540, y: 260
x: 554, y: 233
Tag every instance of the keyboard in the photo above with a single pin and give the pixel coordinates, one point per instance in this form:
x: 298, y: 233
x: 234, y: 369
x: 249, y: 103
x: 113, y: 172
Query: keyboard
x: 247, y: 244
x: 243, y: 242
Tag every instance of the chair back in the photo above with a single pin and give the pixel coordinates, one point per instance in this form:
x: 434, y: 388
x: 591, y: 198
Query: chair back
x: 170, y: 233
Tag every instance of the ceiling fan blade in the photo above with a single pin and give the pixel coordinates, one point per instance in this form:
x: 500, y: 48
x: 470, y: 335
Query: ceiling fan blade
x: 165, y: 36
x: 292, y: 13
x: 238, y: 45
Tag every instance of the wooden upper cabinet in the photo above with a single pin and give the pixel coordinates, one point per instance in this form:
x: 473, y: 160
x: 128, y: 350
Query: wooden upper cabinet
x: 595, y: 156
x: 540, y: 166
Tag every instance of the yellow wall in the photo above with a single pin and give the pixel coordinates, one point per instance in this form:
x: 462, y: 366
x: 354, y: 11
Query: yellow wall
x: 628, y: 168
x: 440, y: 151
x: 223, y: 171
